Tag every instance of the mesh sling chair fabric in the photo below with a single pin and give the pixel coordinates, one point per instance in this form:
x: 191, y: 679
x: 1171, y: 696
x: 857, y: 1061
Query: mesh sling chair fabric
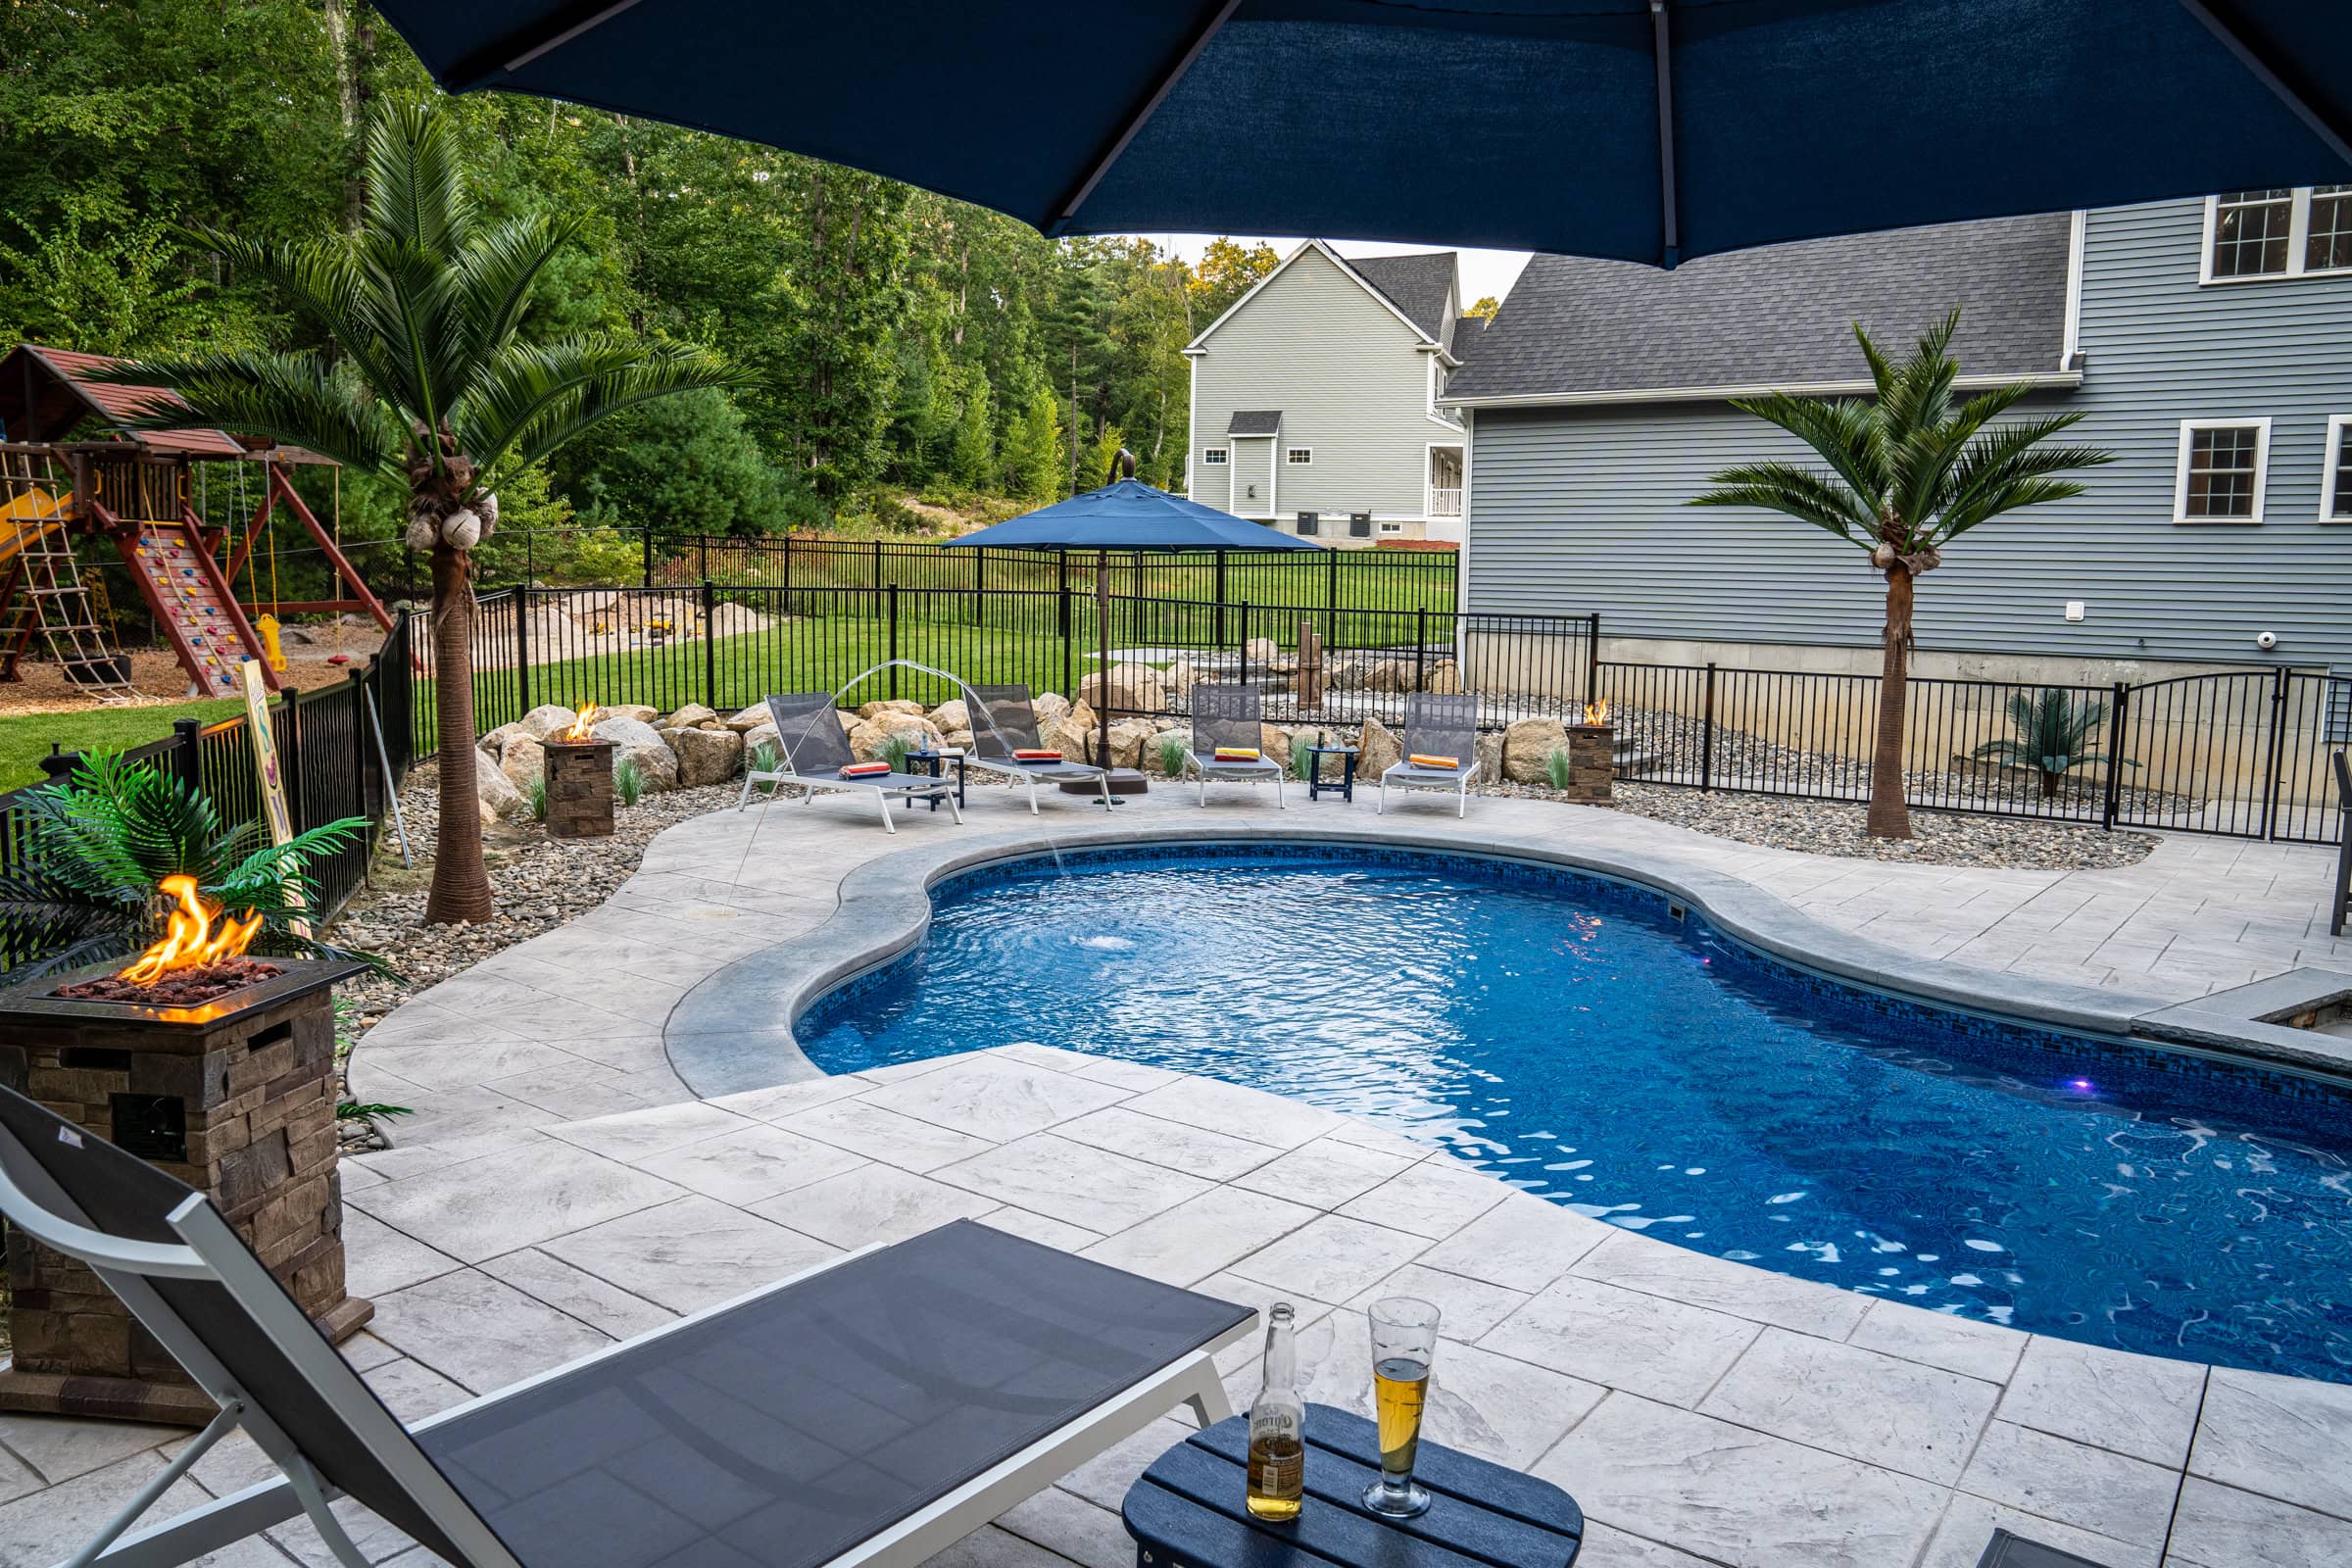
x: 815, y: 750
x: 777, y: 1432
x: 1007, y: 722
x: 1438, y: 724
x: 1230, y: 716
x: 2340, y: 909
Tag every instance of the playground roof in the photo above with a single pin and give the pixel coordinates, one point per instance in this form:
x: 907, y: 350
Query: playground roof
x: 44, y: 393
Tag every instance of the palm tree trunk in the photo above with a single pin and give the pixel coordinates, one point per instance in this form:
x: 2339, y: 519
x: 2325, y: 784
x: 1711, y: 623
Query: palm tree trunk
x: 461, y: 888
x: 1890, y: 817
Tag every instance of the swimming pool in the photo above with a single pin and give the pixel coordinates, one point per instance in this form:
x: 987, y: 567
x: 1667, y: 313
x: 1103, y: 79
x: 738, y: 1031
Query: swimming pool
x: 1572, y: 1036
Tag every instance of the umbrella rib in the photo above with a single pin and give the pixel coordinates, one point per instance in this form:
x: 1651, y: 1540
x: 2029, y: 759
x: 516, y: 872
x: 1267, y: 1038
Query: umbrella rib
x: 1136, y: 121
x: 504, y: 56
x: 2268, y: 67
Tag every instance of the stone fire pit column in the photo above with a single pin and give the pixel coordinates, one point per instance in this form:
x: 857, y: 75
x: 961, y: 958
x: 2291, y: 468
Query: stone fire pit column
x: 235, y: 1098
x: 1592, y: 762
x: 579, y: 789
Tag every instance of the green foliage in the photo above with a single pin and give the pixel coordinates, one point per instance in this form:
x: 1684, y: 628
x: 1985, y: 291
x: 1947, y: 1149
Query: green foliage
x: 1095, y: 467
x: 1032, y: 452
x: 765, y: 757
x: 1171, y: 757
x: 97, y: 843
x: 1302, y: 766
x: 895, y: 749
x: 535, y: 792
x: 628, y: 781
x: 128, y: 290
x: 686, y: 464
x: 2057, y: 732
x: 1557, y: 770
x: 973, y: 462
x: 368, y: 1113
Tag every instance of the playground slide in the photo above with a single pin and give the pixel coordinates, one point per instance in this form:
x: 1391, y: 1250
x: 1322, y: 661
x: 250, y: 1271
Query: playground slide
x: 192, y: 607
x: 24, y: 521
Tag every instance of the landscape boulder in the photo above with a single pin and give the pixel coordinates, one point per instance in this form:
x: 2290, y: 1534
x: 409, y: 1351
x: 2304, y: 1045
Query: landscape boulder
x: 952, y: 715
x: 1177, y: 679
x: 522, y: 761
x: 548, y: 718
x: 1050, y: 705
x: 1158, y: 745
x: 1134, y: 688
x: 636, y: 741
x: 1389, y: 675
x: 1489, y: 757
x: 496, y: 792
x: 1260, y: 651
x: 1443, y: 676
x: 691, y: 717
x: 892, y: 705
x: 1377, y: 749
x: 760, y: 735
x: 636, y: 711
x: 1128, y: 738
x: 751, y: 719
x: 495, y: 743
x: 705, y: 756
x: 1065, y: 734
x: 1527, y: 748
x: 871, y: 735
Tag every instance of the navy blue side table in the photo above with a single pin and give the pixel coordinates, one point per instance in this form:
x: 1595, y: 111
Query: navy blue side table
x: 1188, y: 1510
x: 1316, y: 784
x: 931, y: 761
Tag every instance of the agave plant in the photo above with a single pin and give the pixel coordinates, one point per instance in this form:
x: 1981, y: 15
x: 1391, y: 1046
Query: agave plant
x: 97, y: 843
x: 2057, y: 732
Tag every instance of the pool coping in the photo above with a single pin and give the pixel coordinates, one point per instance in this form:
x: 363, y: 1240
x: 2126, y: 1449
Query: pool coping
x: 885, y: 909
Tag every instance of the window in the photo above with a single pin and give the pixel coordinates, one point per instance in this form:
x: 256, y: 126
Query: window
x: 1392, y: 527
x: 2250, y: 229
x: 2336, y: 477
x: 2279, y: 232
x: 1310, y: 524
x: 1359, y: 525
x: 2329, y: 246
x: 1213, y: 457
x: 1300, y: 456
x: 2223, y: 466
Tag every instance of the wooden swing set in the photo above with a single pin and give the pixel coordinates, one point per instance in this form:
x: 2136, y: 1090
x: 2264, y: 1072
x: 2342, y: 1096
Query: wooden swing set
x: 69, y: 468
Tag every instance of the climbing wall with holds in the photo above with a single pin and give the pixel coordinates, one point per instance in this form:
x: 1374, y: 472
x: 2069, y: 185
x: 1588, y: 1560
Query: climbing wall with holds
x: 183, y: 588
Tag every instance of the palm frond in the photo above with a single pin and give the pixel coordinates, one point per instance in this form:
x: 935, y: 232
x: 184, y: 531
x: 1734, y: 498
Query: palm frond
x: 497, y: 273
x: 1805, y: 494
x: 283, y: 397
x: 535, y: 399
x: 416, y: 181
x: 324, y: 280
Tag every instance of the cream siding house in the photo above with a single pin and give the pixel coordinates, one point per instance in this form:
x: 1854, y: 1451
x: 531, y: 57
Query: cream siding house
x: 1314, y: 399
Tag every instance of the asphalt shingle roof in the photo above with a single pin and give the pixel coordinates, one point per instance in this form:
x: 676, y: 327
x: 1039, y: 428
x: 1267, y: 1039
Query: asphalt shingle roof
x: 1415, y: 284
x: 1781, y: 314
x: 1254, y: 422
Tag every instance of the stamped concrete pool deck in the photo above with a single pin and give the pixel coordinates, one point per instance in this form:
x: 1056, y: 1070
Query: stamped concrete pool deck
x: 564, y: 1186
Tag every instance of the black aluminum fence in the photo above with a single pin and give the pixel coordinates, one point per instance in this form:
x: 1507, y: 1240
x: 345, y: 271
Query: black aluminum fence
x: 2242, y: 754
x: 327, y: 755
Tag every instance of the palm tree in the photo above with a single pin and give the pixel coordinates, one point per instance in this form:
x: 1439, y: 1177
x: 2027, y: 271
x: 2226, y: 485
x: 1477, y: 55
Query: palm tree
x: 2057, y: 732
x: 1906, y: 472
x: 432, y: 387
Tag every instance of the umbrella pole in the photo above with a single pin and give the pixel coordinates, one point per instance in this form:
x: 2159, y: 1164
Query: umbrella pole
x: 1102, y: 684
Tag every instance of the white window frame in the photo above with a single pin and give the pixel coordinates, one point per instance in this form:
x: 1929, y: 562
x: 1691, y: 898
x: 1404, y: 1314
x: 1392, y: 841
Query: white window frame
x: 2262, y: 468
x: 2337, y: 425
x: 1298, y: 457
x: 2298, y: 244
x: 1217, y: 457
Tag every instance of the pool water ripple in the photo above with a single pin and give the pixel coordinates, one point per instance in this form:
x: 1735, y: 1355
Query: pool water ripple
x: 1561, y: 1033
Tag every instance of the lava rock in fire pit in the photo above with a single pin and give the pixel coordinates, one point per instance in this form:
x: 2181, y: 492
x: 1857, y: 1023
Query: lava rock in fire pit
x: 184, y: 988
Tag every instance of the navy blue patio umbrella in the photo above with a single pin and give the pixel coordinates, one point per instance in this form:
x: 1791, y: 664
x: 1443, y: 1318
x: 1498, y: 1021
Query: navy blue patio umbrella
x: 1124, y: 515
x: 1645, y: 130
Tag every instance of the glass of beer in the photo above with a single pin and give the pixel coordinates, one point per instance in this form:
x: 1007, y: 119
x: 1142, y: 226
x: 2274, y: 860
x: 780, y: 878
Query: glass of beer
x: 1404, y: 1341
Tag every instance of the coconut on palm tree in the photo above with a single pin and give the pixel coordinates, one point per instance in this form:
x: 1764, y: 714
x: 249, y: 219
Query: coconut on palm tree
x: 432, y: 385
x: 1904, y: 473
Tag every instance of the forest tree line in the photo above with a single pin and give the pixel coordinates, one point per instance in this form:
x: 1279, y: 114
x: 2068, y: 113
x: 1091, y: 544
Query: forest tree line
x: 898, y: 343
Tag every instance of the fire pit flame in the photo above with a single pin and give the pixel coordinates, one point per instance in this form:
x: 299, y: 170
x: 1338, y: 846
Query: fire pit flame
x: 1598, y: 713
x: 582, y: 726
x: 191, y: 940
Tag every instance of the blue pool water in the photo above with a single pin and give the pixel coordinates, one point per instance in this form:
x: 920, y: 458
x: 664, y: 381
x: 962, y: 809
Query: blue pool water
x: 1568, y: 1035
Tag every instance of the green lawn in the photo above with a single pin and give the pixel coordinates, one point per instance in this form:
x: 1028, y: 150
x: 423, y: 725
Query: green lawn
x: 24, y: 738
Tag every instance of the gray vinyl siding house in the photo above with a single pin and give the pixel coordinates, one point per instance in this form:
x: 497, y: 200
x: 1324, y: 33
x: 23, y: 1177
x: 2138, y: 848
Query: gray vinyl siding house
x: 1314, y: 400
x: 1598, y: 407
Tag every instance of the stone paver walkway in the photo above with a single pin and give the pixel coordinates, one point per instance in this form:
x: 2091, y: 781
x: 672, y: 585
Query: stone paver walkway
x: 563, y: 1188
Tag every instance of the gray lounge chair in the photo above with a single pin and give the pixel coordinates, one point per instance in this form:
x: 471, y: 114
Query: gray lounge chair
x: 2340, y: 907
x: 865, y: 1414
x: 815, y: 750
x: 1438, y: 724
x: 1231, y: 717
x: 1003, y: 722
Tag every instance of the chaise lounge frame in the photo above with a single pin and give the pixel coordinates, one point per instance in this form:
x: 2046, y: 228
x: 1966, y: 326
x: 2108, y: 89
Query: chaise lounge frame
x: 1003, y: 717
x: 1436, y: 724
x: 1230, y: 715
x: 811, y: 739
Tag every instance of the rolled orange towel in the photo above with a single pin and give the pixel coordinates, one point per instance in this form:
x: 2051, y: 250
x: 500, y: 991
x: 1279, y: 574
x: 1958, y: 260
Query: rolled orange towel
x: 1031, y: 753
x: 866, y: 770
x: 1239, y: 754
x: 1426, y: 760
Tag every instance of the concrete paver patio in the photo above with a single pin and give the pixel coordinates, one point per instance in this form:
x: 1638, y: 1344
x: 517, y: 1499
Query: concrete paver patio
x: 563, y: 1187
